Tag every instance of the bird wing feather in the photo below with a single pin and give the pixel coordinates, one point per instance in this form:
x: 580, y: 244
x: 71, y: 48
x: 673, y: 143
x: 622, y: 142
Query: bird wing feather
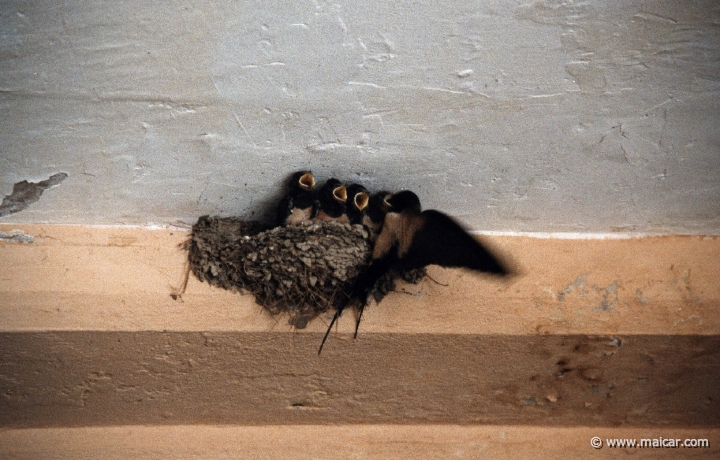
x: 441, y: 241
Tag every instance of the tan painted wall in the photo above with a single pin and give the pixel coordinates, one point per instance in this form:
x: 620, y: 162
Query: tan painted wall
x: 592, y: 309
x: 618, y: 334
x: 120, y: 278
x: 354, y: 441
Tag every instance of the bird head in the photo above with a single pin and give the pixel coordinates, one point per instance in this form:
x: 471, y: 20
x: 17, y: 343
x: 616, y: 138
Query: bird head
x: 359, y: 196
x: 335, y: 190
x: 404, y: 200
x: 340, y: 193
x: 304, y: 180
x: 377, y: 206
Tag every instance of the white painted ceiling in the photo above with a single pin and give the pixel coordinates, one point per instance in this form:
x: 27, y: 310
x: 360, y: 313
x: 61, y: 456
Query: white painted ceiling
x: 513, y: 116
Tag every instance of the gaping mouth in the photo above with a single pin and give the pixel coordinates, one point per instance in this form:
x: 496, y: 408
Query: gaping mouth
x: 361, y: 200
x: 340, y: 193
x: 307, y: 181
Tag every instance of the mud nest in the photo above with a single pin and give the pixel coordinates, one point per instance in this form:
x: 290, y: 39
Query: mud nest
x: 302, y: 270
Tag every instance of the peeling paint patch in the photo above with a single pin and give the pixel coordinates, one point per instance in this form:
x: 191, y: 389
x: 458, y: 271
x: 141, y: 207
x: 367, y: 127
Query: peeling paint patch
x: 17, y: 236
x: 609, y: 296
x: 25, y: 193
x: 579, y: 283
x: 639, y: 294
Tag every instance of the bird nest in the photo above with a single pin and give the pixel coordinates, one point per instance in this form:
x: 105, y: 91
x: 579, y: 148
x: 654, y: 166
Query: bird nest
x: 302, y: 270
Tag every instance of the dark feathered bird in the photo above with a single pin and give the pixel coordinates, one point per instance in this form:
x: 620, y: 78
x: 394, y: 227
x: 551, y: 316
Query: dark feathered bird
x: 332, y: 198
x: 357, y: 201
x: 411, y: 238
x: 300, y: 203
x: 375, y: 211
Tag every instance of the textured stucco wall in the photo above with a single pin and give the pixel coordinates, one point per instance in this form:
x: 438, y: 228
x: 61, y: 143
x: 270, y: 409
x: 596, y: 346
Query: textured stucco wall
x: 515, y: 116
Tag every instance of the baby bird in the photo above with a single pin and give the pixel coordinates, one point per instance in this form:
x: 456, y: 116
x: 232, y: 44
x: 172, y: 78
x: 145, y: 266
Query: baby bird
x: 332, y: 198
x: 375, y: 212
x: 300, y: 203
x: 357, y: 201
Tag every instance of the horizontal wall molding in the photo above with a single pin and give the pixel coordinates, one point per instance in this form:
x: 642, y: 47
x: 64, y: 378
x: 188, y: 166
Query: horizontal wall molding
x: 89, y: 378
x: 121, y: 278
x: 348, y: 441
x: 590, y: 332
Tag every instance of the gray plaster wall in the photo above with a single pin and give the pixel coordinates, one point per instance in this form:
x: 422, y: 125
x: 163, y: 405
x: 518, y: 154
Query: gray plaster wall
x: 597, y: 116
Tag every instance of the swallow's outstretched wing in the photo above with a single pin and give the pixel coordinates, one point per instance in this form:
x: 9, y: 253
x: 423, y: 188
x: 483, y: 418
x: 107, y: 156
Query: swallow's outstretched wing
x: 410, y: 239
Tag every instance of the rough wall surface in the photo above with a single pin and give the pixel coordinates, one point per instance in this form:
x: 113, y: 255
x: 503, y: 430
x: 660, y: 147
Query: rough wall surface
x: 130, y: 378
x: 611, y: 332
x: 515, y: 116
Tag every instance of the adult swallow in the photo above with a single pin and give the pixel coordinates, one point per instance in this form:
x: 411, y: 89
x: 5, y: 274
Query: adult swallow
x: 300, y: 204
x: 411, y: 238
x: 414, y: 238
x: 375, y: 212
x: 357, y: 201
x: 332, y: 198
